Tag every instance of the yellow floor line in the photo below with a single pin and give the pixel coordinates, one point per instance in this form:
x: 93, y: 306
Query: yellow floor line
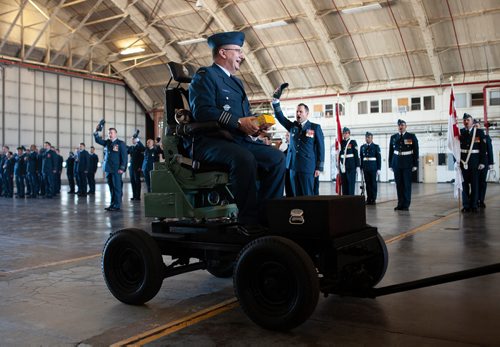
x: 421, y: 228
x: 61, y: 262
x: 179, y: 324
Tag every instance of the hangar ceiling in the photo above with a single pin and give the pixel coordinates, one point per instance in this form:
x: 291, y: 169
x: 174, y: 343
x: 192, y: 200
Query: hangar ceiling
x: 318, y: 46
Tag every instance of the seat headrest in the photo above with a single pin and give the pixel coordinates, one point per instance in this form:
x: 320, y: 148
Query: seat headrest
x: 181, y: 73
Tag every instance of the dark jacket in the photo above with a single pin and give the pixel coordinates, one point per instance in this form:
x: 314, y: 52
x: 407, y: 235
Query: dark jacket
x: 20, y: 165
x: 83, y: 161
x: 70, y: 166
x: 478, y: 154
x: 370, y: 157
x: 94, y: 160
x: 151, y: 156
x: 49, y: 161
x: 403, y: 151
x: 136, y: 155
x: 351, y: 154
x: 115, y: 154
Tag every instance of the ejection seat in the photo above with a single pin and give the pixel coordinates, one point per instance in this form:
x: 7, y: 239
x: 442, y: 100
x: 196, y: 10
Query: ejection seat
x: 182, y: 188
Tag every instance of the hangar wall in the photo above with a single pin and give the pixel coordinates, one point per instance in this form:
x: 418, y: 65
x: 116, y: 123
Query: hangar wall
x: 38, y: 106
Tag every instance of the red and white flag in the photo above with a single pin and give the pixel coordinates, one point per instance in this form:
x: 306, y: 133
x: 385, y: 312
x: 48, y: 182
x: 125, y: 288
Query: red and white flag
x: 338, y: 182
x: 454, y: 143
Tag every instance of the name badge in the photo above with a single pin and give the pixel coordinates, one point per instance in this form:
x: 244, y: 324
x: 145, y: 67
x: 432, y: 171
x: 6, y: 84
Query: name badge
x: 408, y: 142
x: 349, y: 146
x: 310, y: 133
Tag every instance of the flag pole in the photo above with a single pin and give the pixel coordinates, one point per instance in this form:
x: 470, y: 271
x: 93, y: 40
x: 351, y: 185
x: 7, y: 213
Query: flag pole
x: 459, y: 197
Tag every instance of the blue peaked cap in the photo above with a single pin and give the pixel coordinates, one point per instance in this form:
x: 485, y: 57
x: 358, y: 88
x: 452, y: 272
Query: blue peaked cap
x: 400, y: 121
x: 226, y: 38
x: 346, y: 130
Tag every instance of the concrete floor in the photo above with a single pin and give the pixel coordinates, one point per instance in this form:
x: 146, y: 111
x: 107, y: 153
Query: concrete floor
x: 52, y: 291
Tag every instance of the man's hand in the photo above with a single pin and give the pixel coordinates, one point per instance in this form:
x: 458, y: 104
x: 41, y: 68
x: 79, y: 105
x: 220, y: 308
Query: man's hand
x: 316, y: 173
x: 490, y: 167
x: 414, y: 169
x: 120, y: 171
x: 378, y: 172
x: 480, y: 167
x: 249, y: 125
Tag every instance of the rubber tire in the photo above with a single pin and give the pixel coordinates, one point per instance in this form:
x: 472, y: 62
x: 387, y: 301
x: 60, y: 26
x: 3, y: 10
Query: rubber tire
x: 220, y: 269
x: 380, y: 271
x: 132, y: 266
x: 276, y: 283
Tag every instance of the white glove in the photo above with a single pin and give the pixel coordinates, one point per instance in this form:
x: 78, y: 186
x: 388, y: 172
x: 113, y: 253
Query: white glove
x: 378, y: 172
x: 358, y: 171
x: 414, y: 169
x: 481, y: 166
x: 490, y: 166
x: 391, y: 169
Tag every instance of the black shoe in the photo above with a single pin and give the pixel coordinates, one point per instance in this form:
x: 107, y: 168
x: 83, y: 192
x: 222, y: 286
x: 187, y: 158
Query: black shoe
x: 473, y: 210
x: 82, y: 195
x: 404, y: 209
x: 465, y: 210
x: 277, y: 93
x: 397, y: 208
x: 111, y: 209
x: 71, y: 192
x: 91, y: 193
x: 482, y: 205
x: 251, y: 229
x: 108, y: 208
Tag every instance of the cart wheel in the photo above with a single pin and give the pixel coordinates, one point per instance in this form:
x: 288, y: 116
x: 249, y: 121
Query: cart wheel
x: 220, y: 268
x: 370, y: 270
x: 276, y: 283
x: 132, y: 266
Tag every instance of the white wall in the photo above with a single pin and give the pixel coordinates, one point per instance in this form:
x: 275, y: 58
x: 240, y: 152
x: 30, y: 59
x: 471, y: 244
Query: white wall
x: 38, y: 106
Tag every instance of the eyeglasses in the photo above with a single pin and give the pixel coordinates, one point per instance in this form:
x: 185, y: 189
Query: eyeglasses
x: 239, y: 50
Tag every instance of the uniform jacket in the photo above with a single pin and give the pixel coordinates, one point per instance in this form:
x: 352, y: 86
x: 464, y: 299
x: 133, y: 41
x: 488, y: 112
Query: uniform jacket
x: 489, y: 150
x: 479, y: 145
x: 306, y: 151
x: 93, y: 161
x: 352, y: 154
x: 20, y: 165
x: 399, y: 145
x: 83, y: 161
x: 214, y: 96
x: 60, y: 161
x: 8, y: 166
x: 370, y: 151
x: 115, y: 154
x: 136, y: 155
x: 32, y: 166
x: 70, y: 166
x: 151, y: 156
x: 49, y: 161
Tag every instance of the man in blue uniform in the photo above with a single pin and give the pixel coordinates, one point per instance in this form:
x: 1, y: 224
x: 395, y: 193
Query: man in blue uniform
x: 483, y: 174
x: 32, y: 171
x: 349, y: 162
x: 371, y: 163
x: 93, y: 161
x: 150, y: 156
x: 115, y: 164
x: 57, y: 176
x: 3, y: 155
x: 39, y: 165
x: 49, y: 169
x: 403, y: 160
x: 136, y: 152
x: 473, y: 160
x: 70, y: 167
x: 306, y: 153
x: 83, y: 170
x: 215, y: 94
x: 20, y: 172
x: 8, y: 163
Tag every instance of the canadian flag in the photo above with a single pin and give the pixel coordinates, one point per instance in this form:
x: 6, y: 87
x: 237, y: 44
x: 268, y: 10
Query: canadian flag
x: 454, y: 143
x: 338, y: 182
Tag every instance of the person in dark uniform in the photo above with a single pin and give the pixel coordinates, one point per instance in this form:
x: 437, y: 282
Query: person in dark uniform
x: 83, y: 170
x: 32, y: 171
x: 403, y: 160
x: 8, y: 174
x: 3, y: 155
x: 472, y: 161
x: 75, y: 169
x: 150, y: 156
x: 70, y: 167
x: 215, y: 94
x: 284, y: 148
x: 39, y: 165
x: 371, y: 163
x: 483, y: 174
x: 49, y: 169
x: 349, y: 162
x: 20, y: 172
x: 306, y: 154
x: 93, y: 161
x: 115, y: 164
x: 136, y: 152
x: 57, y: 177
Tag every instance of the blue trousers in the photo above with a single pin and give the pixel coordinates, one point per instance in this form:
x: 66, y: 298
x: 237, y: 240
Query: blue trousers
x: 371, y: 185
x: 20, y: 186
x: 115, y: 185
x: 483, y: 174
x: 49, y: 184
x: 91, y: 181
x: 147, y: 179
x: 33, y: 179
x: 302, y: 183
x: 82, y: 183
x: 470, y: 187
x: 403, y: 186
x: 135, y: 181
x: 245, y: 161
x: 348, y: 182
x: 71, y: 182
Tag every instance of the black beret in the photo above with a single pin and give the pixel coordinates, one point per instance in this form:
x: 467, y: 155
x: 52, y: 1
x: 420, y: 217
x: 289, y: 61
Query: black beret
x: 346, y: 130
x: 368, y: 134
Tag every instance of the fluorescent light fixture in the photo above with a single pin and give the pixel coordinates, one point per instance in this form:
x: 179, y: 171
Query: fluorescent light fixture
x: 278, y: 23
x: 191, y: 41
x: 132, y: 50
x: 374, y: 6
